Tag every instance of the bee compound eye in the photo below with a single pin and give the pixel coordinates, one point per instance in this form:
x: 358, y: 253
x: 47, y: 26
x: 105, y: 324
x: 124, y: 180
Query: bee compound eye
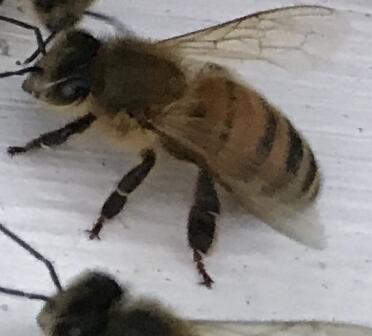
x: 75, y: 88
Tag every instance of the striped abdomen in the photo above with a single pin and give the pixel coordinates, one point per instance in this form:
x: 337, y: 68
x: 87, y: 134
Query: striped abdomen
x: 258, y: 144
x: 244, y: 139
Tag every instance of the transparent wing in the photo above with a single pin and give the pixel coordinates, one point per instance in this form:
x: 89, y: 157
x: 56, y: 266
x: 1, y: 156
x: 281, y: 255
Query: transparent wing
x: 312, y: 328
x: 295, y: 38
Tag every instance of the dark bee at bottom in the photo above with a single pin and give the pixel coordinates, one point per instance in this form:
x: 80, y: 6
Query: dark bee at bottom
x: 95, y: 304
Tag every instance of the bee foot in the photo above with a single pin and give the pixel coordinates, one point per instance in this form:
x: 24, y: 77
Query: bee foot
x: 14, y: 150
x: 93, y: 235
x: 207, y: 280
x: 94, y: 232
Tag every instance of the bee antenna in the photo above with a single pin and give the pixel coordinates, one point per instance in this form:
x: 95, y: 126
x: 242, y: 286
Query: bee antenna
x: 19, y: 23
x: 20, y: 72
x: 39, y: 50
x: 31, y: 296
x: 112, y: 21
x: 34, y: 253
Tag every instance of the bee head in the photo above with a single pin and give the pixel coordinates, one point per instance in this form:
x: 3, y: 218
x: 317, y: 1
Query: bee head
x: 83, y: 308
x: 58, y: 15
x: 63, y: 76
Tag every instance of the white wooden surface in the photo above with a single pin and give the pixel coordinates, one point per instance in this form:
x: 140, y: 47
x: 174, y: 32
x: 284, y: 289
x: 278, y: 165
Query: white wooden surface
x: 51, y: 197
x: 280, y: 329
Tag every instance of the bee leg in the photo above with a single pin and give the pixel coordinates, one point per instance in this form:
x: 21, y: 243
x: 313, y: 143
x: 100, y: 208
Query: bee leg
x: 56, y: 137
x: 202, y: 222
x: 118, y: 198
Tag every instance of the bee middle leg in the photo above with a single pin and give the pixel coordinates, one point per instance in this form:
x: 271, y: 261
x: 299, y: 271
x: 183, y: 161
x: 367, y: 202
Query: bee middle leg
x: 118, y: 198
x: 202, y: 222
x: 56, y: 137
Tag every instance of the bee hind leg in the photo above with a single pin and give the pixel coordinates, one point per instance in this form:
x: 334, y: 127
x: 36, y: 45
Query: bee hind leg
x: 56, y: 137
x: 118, y: 198
x: 202, y: 223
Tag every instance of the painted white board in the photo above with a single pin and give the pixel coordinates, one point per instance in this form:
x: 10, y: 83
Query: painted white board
x: 51, y: 197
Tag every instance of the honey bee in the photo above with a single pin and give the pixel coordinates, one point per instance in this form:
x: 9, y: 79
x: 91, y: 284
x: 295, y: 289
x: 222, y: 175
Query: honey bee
x: 56, y: 16
x: 96, y: 304
x: 208, y: 117
x: 62, y: 14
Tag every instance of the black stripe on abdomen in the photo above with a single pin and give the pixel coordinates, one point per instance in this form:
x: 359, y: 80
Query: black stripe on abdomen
x: 266, y: 142
x: 310, y: 175
x: 295, y: 151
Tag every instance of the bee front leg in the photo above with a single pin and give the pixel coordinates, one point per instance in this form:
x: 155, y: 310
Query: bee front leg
x: 118, y: 198
x: 56, y: 137
x: 202, y: 222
